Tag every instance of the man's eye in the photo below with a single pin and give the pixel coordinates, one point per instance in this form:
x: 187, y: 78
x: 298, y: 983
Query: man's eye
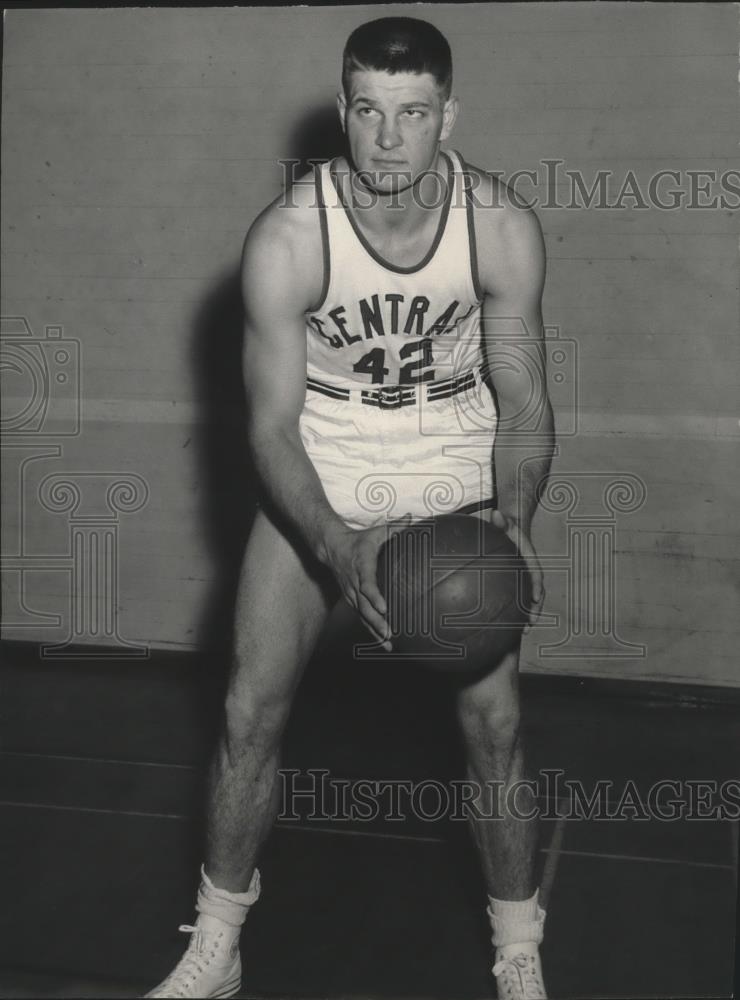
x: 364, y: 112
x: 415, y: 112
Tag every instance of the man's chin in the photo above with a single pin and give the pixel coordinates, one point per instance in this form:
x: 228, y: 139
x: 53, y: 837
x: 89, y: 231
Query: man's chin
x: 386, y: 180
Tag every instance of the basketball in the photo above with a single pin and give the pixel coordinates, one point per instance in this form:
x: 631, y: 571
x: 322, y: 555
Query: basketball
x: 457, y: 591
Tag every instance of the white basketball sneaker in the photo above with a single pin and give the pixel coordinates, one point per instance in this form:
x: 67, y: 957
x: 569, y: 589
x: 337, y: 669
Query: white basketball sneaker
x: 518, y: 973
x: 211, y: 966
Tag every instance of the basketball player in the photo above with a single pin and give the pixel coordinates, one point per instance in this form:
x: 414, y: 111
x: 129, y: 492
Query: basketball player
x: 363, y: 353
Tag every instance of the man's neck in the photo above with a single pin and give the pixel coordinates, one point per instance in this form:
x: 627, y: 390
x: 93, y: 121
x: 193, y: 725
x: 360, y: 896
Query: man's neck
x: 404, y: 211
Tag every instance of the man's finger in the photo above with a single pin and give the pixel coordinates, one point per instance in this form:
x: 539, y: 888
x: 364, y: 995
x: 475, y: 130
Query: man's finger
x: 535, y: 575
x: 537, y: 599
x: 536, y: 582
x: 375, y: 622
x: 524, y: 545
x: 369, y: 589
x: 498, y: 519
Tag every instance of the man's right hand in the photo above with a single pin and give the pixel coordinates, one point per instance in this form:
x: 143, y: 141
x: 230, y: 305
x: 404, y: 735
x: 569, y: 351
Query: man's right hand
x: 352, y: 556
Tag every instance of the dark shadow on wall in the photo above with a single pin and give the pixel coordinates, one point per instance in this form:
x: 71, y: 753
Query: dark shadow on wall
x: 317, y: 136
x: 228, y: 480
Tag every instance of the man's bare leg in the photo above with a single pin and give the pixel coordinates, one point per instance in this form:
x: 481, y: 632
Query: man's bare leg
x: 283, y: 602
x: 284, y: 598
x: 489, y: 714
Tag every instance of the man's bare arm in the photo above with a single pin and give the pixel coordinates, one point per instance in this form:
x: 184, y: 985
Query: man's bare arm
x: 277, y: 291
x: 512, y: 318
x: 278, y: 286
x: 513, y: 275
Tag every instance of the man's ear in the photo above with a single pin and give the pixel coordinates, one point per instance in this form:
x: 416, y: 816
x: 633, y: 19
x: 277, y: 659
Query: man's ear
x: 342, y: 109
x: 449, y: 117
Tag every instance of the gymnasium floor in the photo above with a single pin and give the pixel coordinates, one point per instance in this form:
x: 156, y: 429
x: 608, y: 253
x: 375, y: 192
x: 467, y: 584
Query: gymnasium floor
x: 101, y: 770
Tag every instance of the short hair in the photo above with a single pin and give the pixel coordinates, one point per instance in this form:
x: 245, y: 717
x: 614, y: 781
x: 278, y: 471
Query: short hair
x: 399, y: 45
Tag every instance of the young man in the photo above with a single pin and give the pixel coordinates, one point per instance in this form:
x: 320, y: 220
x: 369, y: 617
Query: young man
x: 363, y: 352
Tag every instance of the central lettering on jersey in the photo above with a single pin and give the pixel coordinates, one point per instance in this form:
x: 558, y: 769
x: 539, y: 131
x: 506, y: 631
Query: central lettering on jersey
x: 387, y: 315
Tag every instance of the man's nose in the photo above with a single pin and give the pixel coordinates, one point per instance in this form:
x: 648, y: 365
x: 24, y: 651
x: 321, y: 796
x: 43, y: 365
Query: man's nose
x: 388, y: 134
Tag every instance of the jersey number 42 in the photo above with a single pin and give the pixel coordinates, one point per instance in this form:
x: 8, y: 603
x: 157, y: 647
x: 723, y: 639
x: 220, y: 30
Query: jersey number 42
x: 418, y: 370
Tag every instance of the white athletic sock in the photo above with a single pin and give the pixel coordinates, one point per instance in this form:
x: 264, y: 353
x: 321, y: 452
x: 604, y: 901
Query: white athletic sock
x: 228, y: 907
x: 516, y: 922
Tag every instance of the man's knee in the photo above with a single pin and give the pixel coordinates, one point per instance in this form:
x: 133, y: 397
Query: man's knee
x: 490, y: 712
x: 254, y: 719
x: 493, y: 723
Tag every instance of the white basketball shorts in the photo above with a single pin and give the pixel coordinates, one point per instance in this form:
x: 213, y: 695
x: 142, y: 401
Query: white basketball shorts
x: 378, y: 460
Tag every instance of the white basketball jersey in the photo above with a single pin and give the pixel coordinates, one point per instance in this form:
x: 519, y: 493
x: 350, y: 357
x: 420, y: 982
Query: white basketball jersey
x: 381, y: 324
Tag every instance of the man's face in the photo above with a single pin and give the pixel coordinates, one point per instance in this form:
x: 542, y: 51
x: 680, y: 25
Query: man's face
x: 394, y: 124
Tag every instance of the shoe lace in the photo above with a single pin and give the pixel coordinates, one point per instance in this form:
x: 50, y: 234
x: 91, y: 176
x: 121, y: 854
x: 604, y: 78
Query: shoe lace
x: 191, y: 965
x: 518, y: 977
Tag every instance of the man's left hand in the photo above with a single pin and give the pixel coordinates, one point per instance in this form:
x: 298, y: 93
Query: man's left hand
x: 522, y: 541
